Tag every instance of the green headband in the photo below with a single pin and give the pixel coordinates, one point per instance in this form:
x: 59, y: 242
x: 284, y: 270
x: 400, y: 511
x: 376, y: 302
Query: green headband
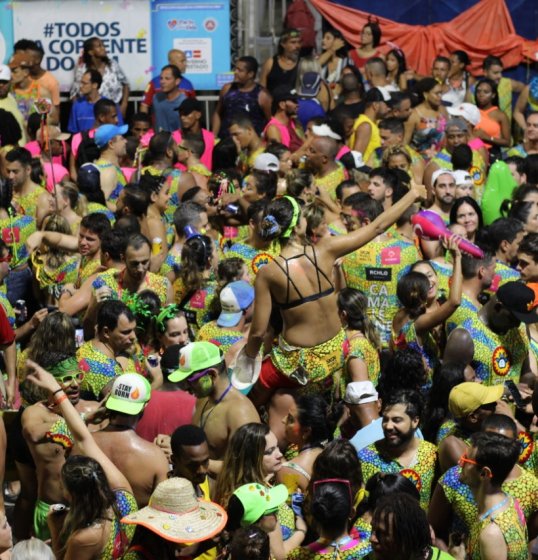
x: 294, y: 218
x: 65, y: 367
x: 167, y: 312
x: 135, y: 304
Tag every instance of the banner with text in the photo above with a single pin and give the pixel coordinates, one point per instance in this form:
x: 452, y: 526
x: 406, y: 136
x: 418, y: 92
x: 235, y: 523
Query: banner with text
x: 62, y: 27
x: 200, y: 28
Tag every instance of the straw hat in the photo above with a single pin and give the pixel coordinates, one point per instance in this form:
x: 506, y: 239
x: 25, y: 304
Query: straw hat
x: 176, y: 514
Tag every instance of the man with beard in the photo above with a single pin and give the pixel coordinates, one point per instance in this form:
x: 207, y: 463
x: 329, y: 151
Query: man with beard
x: 328, y: 174
x: 457, y: 133
x: 220, y: 408
x: 391, y: 131
x: 143, y: 463
x: 29, y: 198
x: 169, y: 406
x: 281, y: 69
x: 88, y: 244
x: 97, y: 358
x: 243, y: 96
x: 444, y: 191
x: 498, y: 339
x: 282, y: 127
x: 400, y: 450
x: 166, y: 102
x: 505, y: 235
x: 48, y: 437
x: 132, y: 279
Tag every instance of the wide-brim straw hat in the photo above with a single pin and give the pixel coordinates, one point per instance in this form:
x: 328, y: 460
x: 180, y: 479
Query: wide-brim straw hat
x: 176, y: 514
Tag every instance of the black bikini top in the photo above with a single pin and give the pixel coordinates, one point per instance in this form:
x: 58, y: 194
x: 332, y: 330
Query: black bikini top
x: 303, y: 299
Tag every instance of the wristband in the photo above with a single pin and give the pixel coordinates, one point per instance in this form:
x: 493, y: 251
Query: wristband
x: 57, y: 391
x: 60, y: 400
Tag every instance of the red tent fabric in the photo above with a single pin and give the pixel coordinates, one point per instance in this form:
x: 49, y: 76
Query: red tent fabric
x: 486, y: 28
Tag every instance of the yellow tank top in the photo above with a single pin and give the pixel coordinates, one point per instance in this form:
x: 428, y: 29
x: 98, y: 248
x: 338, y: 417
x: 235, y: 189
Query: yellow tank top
x: 375, y: 137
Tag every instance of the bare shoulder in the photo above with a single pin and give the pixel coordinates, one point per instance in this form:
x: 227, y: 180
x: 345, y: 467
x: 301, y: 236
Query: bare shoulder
x: 91, y: 539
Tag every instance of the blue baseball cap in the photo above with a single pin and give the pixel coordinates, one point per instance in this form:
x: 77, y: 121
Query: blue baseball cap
x: 234, y: 299
x: 105, y: 133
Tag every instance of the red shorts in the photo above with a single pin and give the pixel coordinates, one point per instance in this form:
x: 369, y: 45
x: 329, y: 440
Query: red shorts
x: 271, y: 378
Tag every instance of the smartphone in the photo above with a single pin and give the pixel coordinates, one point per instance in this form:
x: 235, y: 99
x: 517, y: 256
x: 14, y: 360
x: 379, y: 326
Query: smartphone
x: 514, y: 391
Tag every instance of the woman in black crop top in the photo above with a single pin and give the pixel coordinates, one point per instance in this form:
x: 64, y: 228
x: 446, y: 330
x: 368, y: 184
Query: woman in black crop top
x: 299, y: 283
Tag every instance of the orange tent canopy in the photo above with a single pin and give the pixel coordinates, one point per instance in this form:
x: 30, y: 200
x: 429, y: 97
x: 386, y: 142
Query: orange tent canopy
x: 485, y: 28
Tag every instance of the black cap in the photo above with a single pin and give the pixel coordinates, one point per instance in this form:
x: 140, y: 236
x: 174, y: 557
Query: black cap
x: 189, y: 105
x: 88, y: 177
x: 170, y: 359
x: 284, y: 93
x: 520, y: 300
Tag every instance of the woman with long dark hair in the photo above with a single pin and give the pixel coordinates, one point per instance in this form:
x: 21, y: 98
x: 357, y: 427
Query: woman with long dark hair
x: 196, y: 284
x: 115, y: 85
x: 97, y: 492
x: 494, y: 126
x: 370, y: 40
x: 298, y: 283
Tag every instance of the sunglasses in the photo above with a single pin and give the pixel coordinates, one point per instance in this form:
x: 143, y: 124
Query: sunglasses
x: 464, y: 459
x: 68, y: 379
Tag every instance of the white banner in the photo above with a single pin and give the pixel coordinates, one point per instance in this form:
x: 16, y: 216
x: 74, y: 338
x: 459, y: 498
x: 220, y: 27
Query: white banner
x: 62, y: 27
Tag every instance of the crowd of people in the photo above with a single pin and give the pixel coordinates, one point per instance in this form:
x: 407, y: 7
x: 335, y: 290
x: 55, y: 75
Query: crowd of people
x: 305, y: 330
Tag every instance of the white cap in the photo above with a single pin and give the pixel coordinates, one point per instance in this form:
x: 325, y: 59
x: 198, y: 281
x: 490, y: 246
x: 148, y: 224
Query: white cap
x: 130, y: 392
x: 468, y: 111
x: 360, y: 392
x: 5, y: 72
x: 358, y: 159
x: 326, y: 131
x: 266, y: 162
x: 437, y: 173
x: 462, y: 177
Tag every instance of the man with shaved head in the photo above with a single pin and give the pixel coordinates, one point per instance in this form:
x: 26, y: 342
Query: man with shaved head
x: 178, y: 59
x: 328, y: 173
x: 376, y: 73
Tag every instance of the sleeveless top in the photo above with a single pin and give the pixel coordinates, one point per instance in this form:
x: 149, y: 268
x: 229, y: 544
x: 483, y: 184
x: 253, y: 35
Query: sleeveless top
x: 254, y: 259
x: 375, y: 136
x: 196, y: 305
x: 236, y: 101
x: 98, y: 369
x: 360, y: 61
x: 114, y: 280
x: 15, y: 230
x: 459, y: 495
x: 280, y: 77
x: 219, y: 336
x: 361, y: 348
x: 300, y: 300
x: 120, y: 533
x: 421, y: 472
x: 121, y: 181
x: 513, y: 527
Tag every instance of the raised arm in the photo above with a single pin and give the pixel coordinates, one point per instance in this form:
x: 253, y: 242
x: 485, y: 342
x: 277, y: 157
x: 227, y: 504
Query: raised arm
x: 341, y: 245
x: 81, y: 435
x: 428, y: 321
